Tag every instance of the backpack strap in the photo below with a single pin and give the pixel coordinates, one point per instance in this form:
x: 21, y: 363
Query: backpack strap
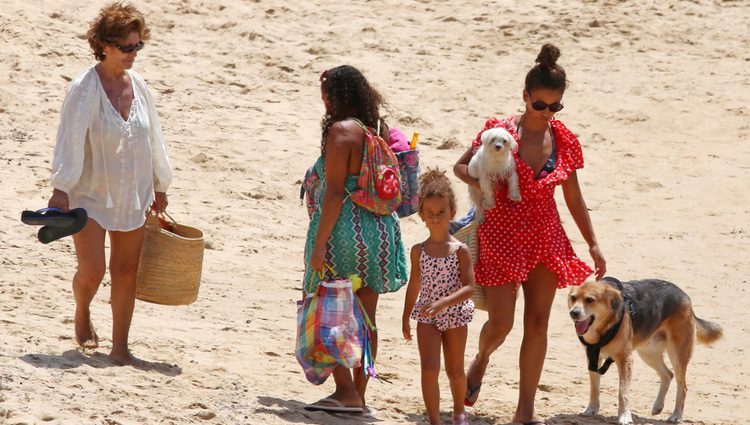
x: 364, y: 127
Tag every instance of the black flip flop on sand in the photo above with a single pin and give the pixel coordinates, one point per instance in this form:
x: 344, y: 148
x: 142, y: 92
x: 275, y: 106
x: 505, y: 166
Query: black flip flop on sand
x: 52, y: 232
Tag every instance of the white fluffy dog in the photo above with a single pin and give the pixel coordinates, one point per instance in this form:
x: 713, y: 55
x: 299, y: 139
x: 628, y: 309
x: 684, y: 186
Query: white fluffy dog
x: 493, y: 162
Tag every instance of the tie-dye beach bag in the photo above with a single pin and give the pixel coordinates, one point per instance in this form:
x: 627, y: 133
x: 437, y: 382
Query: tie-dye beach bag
x: 332, y: 330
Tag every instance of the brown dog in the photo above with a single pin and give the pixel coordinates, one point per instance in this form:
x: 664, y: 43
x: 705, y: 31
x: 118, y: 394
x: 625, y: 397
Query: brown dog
x: 613, y: 319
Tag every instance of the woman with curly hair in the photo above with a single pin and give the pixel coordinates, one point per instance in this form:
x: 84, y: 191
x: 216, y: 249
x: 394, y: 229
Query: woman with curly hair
x: 110, y: 159
x: 343, y: 235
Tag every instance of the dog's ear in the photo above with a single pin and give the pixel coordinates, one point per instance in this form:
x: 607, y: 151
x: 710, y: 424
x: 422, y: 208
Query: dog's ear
x: 615, y: 299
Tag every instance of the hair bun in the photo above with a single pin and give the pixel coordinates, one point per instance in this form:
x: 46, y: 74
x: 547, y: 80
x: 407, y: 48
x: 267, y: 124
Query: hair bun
x: 548, y: 56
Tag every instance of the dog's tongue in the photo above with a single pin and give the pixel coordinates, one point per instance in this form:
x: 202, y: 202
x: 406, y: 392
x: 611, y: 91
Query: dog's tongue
x: 582, y: 326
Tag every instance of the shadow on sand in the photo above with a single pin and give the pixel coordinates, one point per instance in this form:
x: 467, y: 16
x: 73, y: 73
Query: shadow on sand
x: 72, y: 359
x: 598, y: 420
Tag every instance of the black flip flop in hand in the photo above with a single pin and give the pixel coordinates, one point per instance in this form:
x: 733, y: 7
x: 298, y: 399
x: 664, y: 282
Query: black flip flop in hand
x: 55, y: 223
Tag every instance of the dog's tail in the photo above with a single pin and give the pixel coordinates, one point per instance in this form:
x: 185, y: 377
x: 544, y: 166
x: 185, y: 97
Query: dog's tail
x: 708, y: 332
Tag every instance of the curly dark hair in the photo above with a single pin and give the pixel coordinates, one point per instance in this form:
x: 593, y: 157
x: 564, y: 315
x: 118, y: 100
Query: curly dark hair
x: 350, y: 96
x: 434, y: 183
x: 115, y: 22
x: 547, y: 74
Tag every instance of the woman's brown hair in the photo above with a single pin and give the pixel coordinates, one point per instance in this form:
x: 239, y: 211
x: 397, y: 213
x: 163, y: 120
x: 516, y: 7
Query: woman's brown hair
x: 547, y: 74
x: 115, y: 22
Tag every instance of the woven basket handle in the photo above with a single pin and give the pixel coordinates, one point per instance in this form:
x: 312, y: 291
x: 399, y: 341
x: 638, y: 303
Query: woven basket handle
x: 162, y: 214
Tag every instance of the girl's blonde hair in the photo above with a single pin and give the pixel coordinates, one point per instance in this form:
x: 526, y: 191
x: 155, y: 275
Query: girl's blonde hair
x: 434, y: 183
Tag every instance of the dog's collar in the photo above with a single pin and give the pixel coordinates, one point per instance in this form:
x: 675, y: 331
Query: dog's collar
x: 592, y: 350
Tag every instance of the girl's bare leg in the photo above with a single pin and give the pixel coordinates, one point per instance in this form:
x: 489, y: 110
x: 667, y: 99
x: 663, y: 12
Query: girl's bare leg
x: 454, y: 347
x: 429, y: 340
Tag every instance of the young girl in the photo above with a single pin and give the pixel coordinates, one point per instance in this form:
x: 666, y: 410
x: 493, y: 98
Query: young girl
x: 443, y: 277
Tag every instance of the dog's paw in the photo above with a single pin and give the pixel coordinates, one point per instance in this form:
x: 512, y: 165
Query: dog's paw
x: 658, y: 407
x: 591, y: 411
x: 674, y: 419
x: 625, y: 419
x: 514, y: 197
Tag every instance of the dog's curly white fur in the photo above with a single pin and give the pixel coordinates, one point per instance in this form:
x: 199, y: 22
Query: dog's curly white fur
x: 492, y: 163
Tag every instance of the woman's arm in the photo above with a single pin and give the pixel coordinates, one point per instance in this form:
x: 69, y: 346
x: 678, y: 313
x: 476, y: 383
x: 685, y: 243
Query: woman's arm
x: 338, y: 150
x: 461, y: 169
x: 466, y: 270
x: 412, y: 291
x: 77, y: 113
x: 577, y: 207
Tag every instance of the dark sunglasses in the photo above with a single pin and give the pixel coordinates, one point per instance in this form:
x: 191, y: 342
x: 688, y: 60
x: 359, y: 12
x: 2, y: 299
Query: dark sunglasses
x: 130, y: 47
x: 553, y: 107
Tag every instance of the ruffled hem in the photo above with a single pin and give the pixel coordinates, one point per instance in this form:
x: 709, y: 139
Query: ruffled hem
x: 569, y: 272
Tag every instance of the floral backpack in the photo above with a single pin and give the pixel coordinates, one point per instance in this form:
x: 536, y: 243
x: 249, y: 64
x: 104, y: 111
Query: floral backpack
x: 379, y: 178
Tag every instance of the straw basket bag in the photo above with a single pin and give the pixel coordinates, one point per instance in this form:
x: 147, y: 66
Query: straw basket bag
x: 468, y: 235
x: 171, y: 261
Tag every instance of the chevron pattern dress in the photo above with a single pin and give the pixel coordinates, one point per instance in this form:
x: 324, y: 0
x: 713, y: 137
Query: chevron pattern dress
x: 362, y: 243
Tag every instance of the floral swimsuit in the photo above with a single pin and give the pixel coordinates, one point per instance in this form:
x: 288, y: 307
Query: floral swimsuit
x: 440, y: 278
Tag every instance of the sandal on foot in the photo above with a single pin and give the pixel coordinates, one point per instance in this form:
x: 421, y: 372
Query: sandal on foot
x: 472, y: 393
x: 331, y: 405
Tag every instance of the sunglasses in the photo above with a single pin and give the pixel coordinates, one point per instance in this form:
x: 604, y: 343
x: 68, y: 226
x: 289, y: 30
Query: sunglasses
x: 130, y: 48
x: 553, y: 107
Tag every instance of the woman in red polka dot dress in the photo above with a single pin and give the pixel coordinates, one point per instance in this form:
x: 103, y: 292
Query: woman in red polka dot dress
x: 523, y: 243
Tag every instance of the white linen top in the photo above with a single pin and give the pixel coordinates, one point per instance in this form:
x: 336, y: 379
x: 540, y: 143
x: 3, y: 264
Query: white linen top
x: 109, y: 166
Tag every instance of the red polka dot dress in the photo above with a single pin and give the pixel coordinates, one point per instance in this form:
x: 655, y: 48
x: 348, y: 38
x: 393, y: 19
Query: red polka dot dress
x: 516, y: 236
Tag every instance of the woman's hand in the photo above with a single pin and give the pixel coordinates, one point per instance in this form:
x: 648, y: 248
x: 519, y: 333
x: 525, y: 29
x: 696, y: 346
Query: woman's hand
x: 406, y: 328
x: 160, y: 202
x: 317, y: 259
x: 59, y: 200
x: 432, y: 309
x: 600, y: 264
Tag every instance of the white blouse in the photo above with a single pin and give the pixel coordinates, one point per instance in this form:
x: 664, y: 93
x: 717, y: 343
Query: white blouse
x: 109, y: 166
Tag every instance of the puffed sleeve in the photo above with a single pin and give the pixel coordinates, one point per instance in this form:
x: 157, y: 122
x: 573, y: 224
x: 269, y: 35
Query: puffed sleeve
x: 76, y: 116
x: 159, y: 154
x: 573, y: 151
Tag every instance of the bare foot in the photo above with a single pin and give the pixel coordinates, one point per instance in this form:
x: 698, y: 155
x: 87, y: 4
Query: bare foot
x: 125, y: 359
x: 85, y: 334
x: 535, y: 421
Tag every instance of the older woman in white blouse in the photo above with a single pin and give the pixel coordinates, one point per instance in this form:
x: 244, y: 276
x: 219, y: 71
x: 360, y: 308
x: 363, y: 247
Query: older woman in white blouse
x: 111, y: 159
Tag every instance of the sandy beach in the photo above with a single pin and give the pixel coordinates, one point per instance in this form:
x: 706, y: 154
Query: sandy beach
x: 659, y: 98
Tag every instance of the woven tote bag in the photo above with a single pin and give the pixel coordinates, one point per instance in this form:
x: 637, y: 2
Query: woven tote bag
x: 468, y: 235
x: 169, y: 271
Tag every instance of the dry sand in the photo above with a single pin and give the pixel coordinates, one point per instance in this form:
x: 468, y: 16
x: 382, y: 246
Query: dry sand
x: 659, y: 98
